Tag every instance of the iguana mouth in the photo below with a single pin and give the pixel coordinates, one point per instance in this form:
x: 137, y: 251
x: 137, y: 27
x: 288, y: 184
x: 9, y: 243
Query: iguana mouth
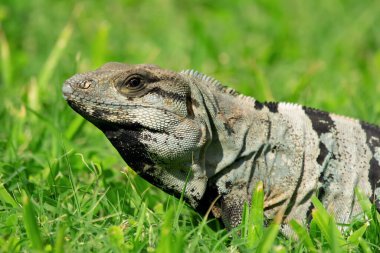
x: 78, y: 102
x: 133, y: 127
x: 104, y: 123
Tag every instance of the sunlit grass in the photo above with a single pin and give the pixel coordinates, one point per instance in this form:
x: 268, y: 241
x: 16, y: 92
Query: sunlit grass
x: 63, y: 188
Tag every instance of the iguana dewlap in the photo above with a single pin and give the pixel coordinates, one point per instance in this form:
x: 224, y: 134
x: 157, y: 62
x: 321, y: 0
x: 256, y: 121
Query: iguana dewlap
x: 185, y: 132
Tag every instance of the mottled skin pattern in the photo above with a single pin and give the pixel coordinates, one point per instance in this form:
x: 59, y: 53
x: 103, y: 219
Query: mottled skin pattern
x: 183, y: 130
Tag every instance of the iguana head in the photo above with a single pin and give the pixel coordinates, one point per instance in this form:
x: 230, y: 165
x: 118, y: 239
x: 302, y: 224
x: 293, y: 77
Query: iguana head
x: 149, y: 115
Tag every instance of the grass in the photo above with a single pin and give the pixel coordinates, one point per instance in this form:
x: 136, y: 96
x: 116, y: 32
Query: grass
x: 63, y: 188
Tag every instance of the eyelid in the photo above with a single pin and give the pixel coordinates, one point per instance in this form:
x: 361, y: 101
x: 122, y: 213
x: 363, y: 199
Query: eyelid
x: 133, y: 76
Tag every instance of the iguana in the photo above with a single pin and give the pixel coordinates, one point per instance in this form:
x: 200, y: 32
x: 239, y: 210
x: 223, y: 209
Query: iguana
x: 185, y: 132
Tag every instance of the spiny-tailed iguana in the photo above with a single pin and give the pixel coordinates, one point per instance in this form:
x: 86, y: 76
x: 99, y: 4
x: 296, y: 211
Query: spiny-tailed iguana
x: 179, y: 129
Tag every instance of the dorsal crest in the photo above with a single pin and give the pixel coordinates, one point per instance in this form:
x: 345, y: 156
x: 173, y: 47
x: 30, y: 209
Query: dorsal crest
x: 210, y: 80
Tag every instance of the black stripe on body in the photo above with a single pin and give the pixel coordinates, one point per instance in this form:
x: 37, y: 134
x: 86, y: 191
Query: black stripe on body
x: 373, y: 140
x: 293, y: 198
x: 258, y: 105
x: 322, y: 123
x: 272, y: 106
x: 323, y: 152
x: 320, y: 120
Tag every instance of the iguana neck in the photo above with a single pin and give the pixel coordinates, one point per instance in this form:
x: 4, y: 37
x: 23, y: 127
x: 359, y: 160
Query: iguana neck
x: 232, y: 120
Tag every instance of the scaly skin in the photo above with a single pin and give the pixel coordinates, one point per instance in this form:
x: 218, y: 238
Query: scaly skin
x: 184, y: 130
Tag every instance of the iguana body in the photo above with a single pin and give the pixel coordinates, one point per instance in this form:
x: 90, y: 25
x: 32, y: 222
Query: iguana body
x: 185, y: 129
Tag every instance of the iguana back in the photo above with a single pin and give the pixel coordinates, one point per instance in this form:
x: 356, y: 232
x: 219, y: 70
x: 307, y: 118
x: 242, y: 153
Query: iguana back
x: 185, y: 132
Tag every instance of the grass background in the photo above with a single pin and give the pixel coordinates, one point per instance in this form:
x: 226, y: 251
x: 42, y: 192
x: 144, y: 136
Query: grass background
x: 61, y: 188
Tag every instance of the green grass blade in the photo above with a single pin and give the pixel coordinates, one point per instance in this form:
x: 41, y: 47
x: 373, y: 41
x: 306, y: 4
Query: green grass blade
x: 354, y: 238
x: 116, y: 238
x: 364, y: 202
x: 372, y: 216
x: 336, y: 239
x: 74, y: 127
x: 99, y: 45
x: 375, y: 218
x: 322, y: 214
x: 270, y: 235
x: 268, y: 238
x: 6, y: 197
x: 60, y: 239
x: 6, y: 67
x: 220, y: 241
x: 327, y: 225
x: 320, y: 221
x: 199, y: 229
x: 140, y: 224
x: 364, y: 246
x: 303, y: 235
x: 56, y: 53
x: 71, y: 180
x: 256, y: 216
x: 10, y: 245
x: 181, y: 203
x: 170, y: 241
x: 245, y: 220
x: 279, y: 249
x: 30, y: 223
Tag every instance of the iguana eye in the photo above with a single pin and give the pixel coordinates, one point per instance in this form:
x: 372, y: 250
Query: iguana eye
x: 132, y: 84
